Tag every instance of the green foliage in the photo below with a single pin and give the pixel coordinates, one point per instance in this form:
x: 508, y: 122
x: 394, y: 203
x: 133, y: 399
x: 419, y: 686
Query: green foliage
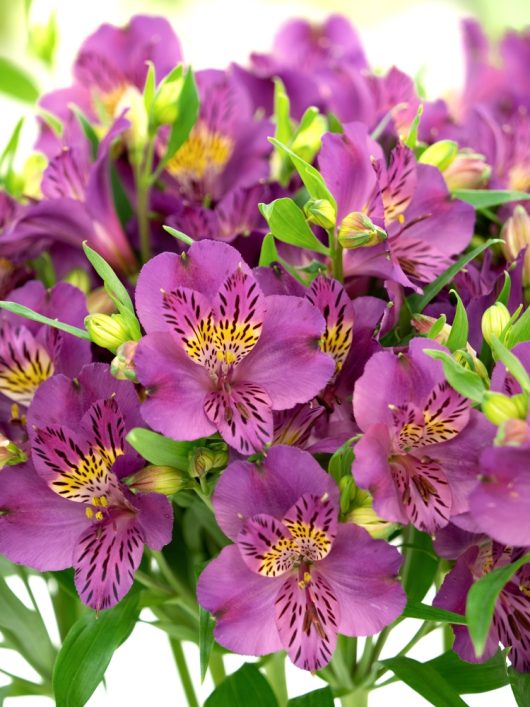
x: 457, y: 338
x: 28, y: 313
x: 420, y: 565
x: 463, y: 380
x: 246, y: 686
x: 317, y: 698
x: 15, y: 82
x: 187, y: 108
x: 470, y: 678
x: 487, y: 198
x: 425, y: 680
x: 414, y: 610
x: 287, y: 223
x: 160, y: 450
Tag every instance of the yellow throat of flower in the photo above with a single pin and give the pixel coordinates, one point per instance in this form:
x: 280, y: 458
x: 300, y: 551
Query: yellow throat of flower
x: 204, y: 151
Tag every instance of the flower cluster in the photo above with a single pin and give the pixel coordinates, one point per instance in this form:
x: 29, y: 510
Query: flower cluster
x: 316, y: 345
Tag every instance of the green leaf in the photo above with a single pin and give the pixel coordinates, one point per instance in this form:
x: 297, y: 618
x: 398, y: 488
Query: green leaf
x: 28, y: 313
x: 504, y: 294
x: 11, y: 148
x: 414, y: 610
x: 88, y: 649
x: 457, y: 338
x: 87, y: 129
x: 178, y: 234
x: 313, y: 180
x: 16, y: 83
x: 425, y: 680
x: 317, y: 698
x: 520, y: 684
x: 486, y: 198
x: 187, y: 112
x: 417, y: 303
x: 412, y: 137
x: 247, y: 686
x: 520, y: 330
x: 464, y: 381
x: 512, y: 363
x: 160, y: 450
x: 420, y: 566
x: 287, y: 223
x: 206, y: 624
x: 282, y: 107
x: 269, y: 252
x: 481, y: 600
x: 42, y: 40
x: 341, y: 461
x: 469, y: 678
x: 149, y: 86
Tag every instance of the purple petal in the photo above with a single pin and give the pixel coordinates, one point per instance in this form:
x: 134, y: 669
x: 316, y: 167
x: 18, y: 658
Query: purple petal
x: 266, y: 546
x: 24, y: 364
x: 313, y: 522
x: 188, y: 315
x: 155, y: 515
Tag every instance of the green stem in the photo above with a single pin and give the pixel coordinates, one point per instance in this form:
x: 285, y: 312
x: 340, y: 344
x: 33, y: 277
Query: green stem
x: 176, y: 585
x: 335, y: 253
x: 364, y: 665
x: 142, y: 213
x: 357, y: 698
x: 275, y: 671
x: 184, y: 673
x: 217, y: 668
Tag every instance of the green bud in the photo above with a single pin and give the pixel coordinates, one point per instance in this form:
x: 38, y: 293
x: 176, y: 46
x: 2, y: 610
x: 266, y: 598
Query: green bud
x: 158, y: 479
x: 136, y: 135
x: 320, y: 211
x: 363, y: 514
x: 440, y: 154
x: 205, y: 459
x: 494, y: 320
x: 308, y: 138
x: 468, y: 170
x: 468, y: 359
x: 122, y: 365
x: 10, y: 454
x: 516, y: 236
x: 106, y: 331
x: 165, y: 110
x: 79, y: 278
x: 358, y: 231
x: 500, y: 408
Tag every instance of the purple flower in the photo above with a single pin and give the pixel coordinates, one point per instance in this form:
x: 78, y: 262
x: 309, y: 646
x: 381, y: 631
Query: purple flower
x: 295, y: 576
x: 75, y: 510
x: 30, y: 352
x: 511, y: 619
x: 219, y: 355
x: 421, y: 440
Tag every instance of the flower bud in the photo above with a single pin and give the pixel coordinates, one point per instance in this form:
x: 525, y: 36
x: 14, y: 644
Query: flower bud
x: 136, y: 134
x: 10, y: 454
x: 364, y: 515
x: 205, y: 459
x: 308, y: 140
x: 494, y: 320
x: 107, y: 331
x: 99, y: 302
x: 320, y: 211
x: 158, y: 479
x: 513, y: 433
x: 516, y: 235
x: 467, y: 358
x: 468, y: 170
x: 440, y: 154
x: 165, y: 107
x: 358, y: 231
x: 500, y: 408
x: 79, y: 278
x: 122, y: 365
x: 423, y: 325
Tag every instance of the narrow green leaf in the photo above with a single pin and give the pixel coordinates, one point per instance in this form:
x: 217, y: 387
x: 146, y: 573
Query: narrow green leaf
x: 178, y: 234
x: 88, y: 649
x: 28, y: 313
x: 504, y: 294
x: 512, y: 363
x: 481, y: 600
x: 317, y: 698
x: 188, y: 110
x: 486, y: 198
x: 464, y: 381
x: 412, y: 138
x: 206, y: 624
x: 520, y: 330
x: 520, y: 684
x: 160, y: 450
x: 149, y: 86
x: 313, y: 180
x: 287, y: 223
x: 87, y: 129
x: 113, y: 284
x: 247, y: 686
x: 437, y: 327
x: 420, y: 566
x: 269, y: 252
x: 469, y: 678
x: 417, y: 303
x: 282, y: 107
x: 414, y: 610
x: 425, y: 680
x: 15, y: 82
x: 11, y: 148
x: 457, y: 338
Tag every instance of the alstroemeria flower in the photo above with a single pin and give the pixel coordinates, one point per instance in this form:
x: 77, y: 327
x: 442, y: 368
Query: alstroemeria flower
x: 511, y: 619
x: 30, y: 352
x: 421, y: 440
x: 79, y: 513
x: 219, y: 355
x: 295, y: 577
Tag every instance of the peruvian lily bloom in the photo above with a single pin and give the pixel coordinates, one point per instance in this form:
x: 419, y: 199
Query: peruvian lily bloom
x: 511, y: 619
x: 73, y: 508
x: 31, y: 352
x: 409, y: 201
x: 421, y: 440
x: 219, y: 356
x: 295, y: 577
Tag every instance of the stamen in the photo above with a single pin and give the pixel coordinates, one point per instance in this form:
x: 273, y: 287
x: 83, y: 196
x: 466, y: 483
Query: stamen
x: 89, y: 513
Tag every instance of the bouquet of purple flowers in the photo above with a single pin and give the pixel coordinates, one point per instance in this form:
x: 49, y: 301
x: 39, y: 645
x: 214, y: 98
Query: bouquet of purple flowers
x: 265, y: 369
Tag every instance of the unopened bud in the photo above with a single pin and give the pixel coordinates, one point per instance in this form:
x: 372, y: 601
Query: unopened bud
x: 321, y: 212
x: 513, y: 433
x: 467, y: 358
x: 500, y: 408
x: 122, y: 365
x: 440, y: 154
x: 158, y: 479
x: 364, y: 515
x: 308, y: 140
x: 431, y: 328
x: 468, y: 170
x: 205, y: 459
x: 107, y: 331
x: 516, y: 235
x: 358, y: 231
x: 136, y: 134
x: 99, y: 302
x: 166, y: 102
x: 10, y: 454
x: 79, y: 278
x: 494, y: 320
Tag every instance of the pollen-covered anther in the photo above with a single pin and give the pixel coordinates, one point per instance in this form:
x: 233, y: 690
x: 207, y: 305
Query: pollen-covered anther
x: 89, y: 513
x: 303, y: 583
x: 99, y: 515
